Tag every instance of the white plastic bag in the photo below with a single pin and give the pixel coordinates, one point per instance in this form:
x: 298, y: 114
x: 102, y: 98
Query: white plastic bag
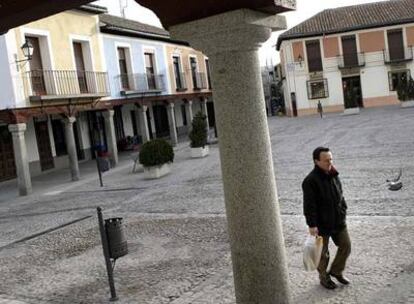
x: 312, y: 251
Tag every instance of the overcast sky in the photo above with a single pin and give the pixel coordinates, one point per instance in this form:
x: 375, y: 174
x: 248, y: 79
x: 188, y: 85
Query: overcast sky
x: 305, y: 9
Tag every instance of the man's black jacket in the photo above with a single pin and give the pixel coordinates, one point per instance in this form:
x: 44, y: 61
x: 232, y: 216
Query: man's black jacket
x: 323, y: 203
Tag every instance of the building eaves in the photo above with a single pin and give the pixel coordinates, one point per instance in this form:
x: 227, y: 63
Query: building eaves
x: 92, y: 8
x: 352, y: 18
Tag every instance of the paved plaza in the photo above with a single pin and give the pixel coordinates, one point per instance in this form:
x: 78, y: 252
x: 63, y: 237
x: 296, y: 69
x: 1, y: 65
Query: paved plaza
x: 176, y: 226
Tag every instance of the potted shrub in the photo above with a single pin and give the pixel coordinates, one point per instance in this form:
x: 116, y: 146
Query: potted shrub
x: 198, y: 136
x: 405, y: 92
x: 156, y: 157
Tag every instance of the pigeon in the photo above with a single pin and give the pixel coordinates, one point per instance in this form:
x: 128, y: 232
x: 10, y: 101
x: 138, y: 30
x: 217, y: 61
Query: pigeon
x: 395, y: 179
x: 395, y: 184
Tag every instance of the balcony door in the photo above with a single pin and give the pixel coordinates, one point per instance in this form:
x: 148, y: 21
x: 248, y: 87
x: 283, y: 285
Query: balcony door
x: 36, y: 68
x: 349, y: 51
x: 123, y: 69
x: 313, y: 51
x: 193, y: 66
x: 80, y: 67
x: 396, y: 45
x: 150, y: 71
x: 177, y: 73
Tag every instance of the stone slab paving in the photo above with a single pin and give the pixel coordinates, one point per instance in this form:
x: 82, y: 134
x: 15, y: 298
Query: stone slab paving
x: 179, y: 251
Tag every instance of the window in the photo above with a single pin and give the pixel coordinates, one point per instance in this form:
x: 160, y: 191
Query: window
x: 150, y: 70
x: 396, y: 44
x: 395, y: 78
x: 208, y: 73
x: 177, y: 73
x: 313, y: 52
x: 193, y: 66
x: 123, y: 69
x: 318, y: 89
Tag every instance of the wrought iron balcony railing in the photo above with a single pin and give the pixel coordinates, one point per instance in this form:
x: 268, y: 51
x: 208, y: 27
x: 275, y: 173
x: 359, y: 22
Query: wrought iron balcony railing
x: 354, y: 60
x: 398, y: 54
x: 140, y: 83
x: 60, y: 83
x: 315, y: 65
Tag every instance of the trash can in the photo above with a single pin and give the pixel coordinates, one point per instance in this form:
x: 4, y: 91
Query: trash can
x: 118, y: 246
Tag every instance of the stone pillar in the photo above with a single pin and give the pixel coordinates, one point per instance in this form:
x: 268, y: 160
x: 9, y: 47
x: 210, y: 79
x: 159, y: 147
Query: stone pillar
x: 171, y: 122
x: 71, y: 147
x: 110, y: 136
x: 144, y: 124
x: 231, y: 41
x: 204, y: 111
x: 189, y: 114
x: 24, y: 181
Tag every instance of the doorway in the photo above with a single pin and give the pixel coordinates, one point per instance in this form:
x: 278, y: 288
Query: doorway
x: 162, y: 128
x: 352, y: 92
x: 43, y: 144
x: 7, y: 164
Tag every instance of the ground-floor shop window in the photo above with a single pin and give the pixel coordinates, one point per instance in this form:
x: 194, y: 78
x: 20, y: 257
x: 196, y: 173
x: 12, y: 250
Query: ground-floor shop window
x: 398, y: 77
x: 317, y: 89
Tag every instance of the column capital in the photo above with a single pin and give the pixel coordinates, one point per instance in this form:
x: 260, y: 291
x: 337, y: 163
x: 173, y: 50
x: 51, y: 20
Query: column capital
x: 189, y: 102
x: 17, y: 128
x: 109, y: 113
x: 143, y: 108
x: 239, y: 30
x: 70, y: 120
x: 171, y: 105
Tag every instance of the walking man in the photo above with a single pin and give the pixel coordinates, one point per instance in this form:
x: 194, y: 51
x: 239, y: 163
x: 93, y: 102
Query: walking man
x: 325, y: 212
x: 320, y: 109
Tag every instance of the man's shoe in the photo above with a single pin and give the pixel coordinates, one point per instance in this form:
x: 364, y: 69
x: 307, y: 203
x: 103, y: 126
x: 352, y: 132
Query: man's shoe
x: 341, y: 279
x: 328, y: 283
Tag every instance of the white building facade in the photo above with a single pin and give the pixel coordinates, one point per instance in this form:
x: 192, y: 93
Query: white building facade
x: 348, y: 63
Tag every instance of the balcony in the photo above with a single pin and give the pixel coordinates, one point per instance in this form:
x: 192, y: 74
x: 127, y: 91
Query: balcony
x: 398, y: 55
x: 349, y: 61
x: 180, y: 82
x: 131, y: 84
x: 200, y: 81
x: 61, y: 84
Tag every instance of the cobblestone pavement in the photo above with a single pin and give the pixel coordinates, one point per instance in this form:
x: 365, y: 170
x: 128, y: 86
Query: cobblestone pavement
x: 176, y: 226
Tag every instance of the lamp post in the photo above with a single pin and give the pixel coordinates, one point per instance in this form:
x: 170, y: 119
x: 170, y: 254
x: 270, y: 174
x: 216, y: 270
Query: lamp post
x: 27, y: 49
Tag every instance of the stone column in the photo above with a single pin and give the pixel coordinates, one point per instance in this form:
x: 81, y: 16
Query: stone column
x: 204, y: 111
x: 110, y: 136
x: 24, y: 181
x: 144, y: 124
x: 189, y: 114
x: 71, y: 147
x: 171, y: 122
x: 231, y: 41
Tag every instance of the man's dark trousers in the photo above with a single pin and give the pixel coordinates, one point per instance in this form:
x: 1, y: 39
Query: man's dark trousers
x: 343, y: 242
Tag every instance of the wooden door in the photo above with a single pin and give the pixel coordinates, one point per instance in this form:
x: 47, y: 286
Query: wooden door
x: 396, y: 45
x: 349, y: 50
x: 80, y: 67
x: 150, y: 70
x: 123, y: 69
x: 43, y: 145
x: 313, y: 52
x: 7, y: 164
x: 36, y: 69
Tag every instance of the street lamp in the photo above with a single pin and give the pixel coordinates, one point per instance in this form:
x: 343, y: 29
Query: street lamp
x: 27, y: 49
x: 300, y: 60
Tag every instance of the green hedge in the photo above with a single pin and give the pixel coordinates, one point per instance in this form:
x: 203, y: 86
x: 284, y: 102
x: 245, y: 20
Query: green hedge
x: 155, y: 153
